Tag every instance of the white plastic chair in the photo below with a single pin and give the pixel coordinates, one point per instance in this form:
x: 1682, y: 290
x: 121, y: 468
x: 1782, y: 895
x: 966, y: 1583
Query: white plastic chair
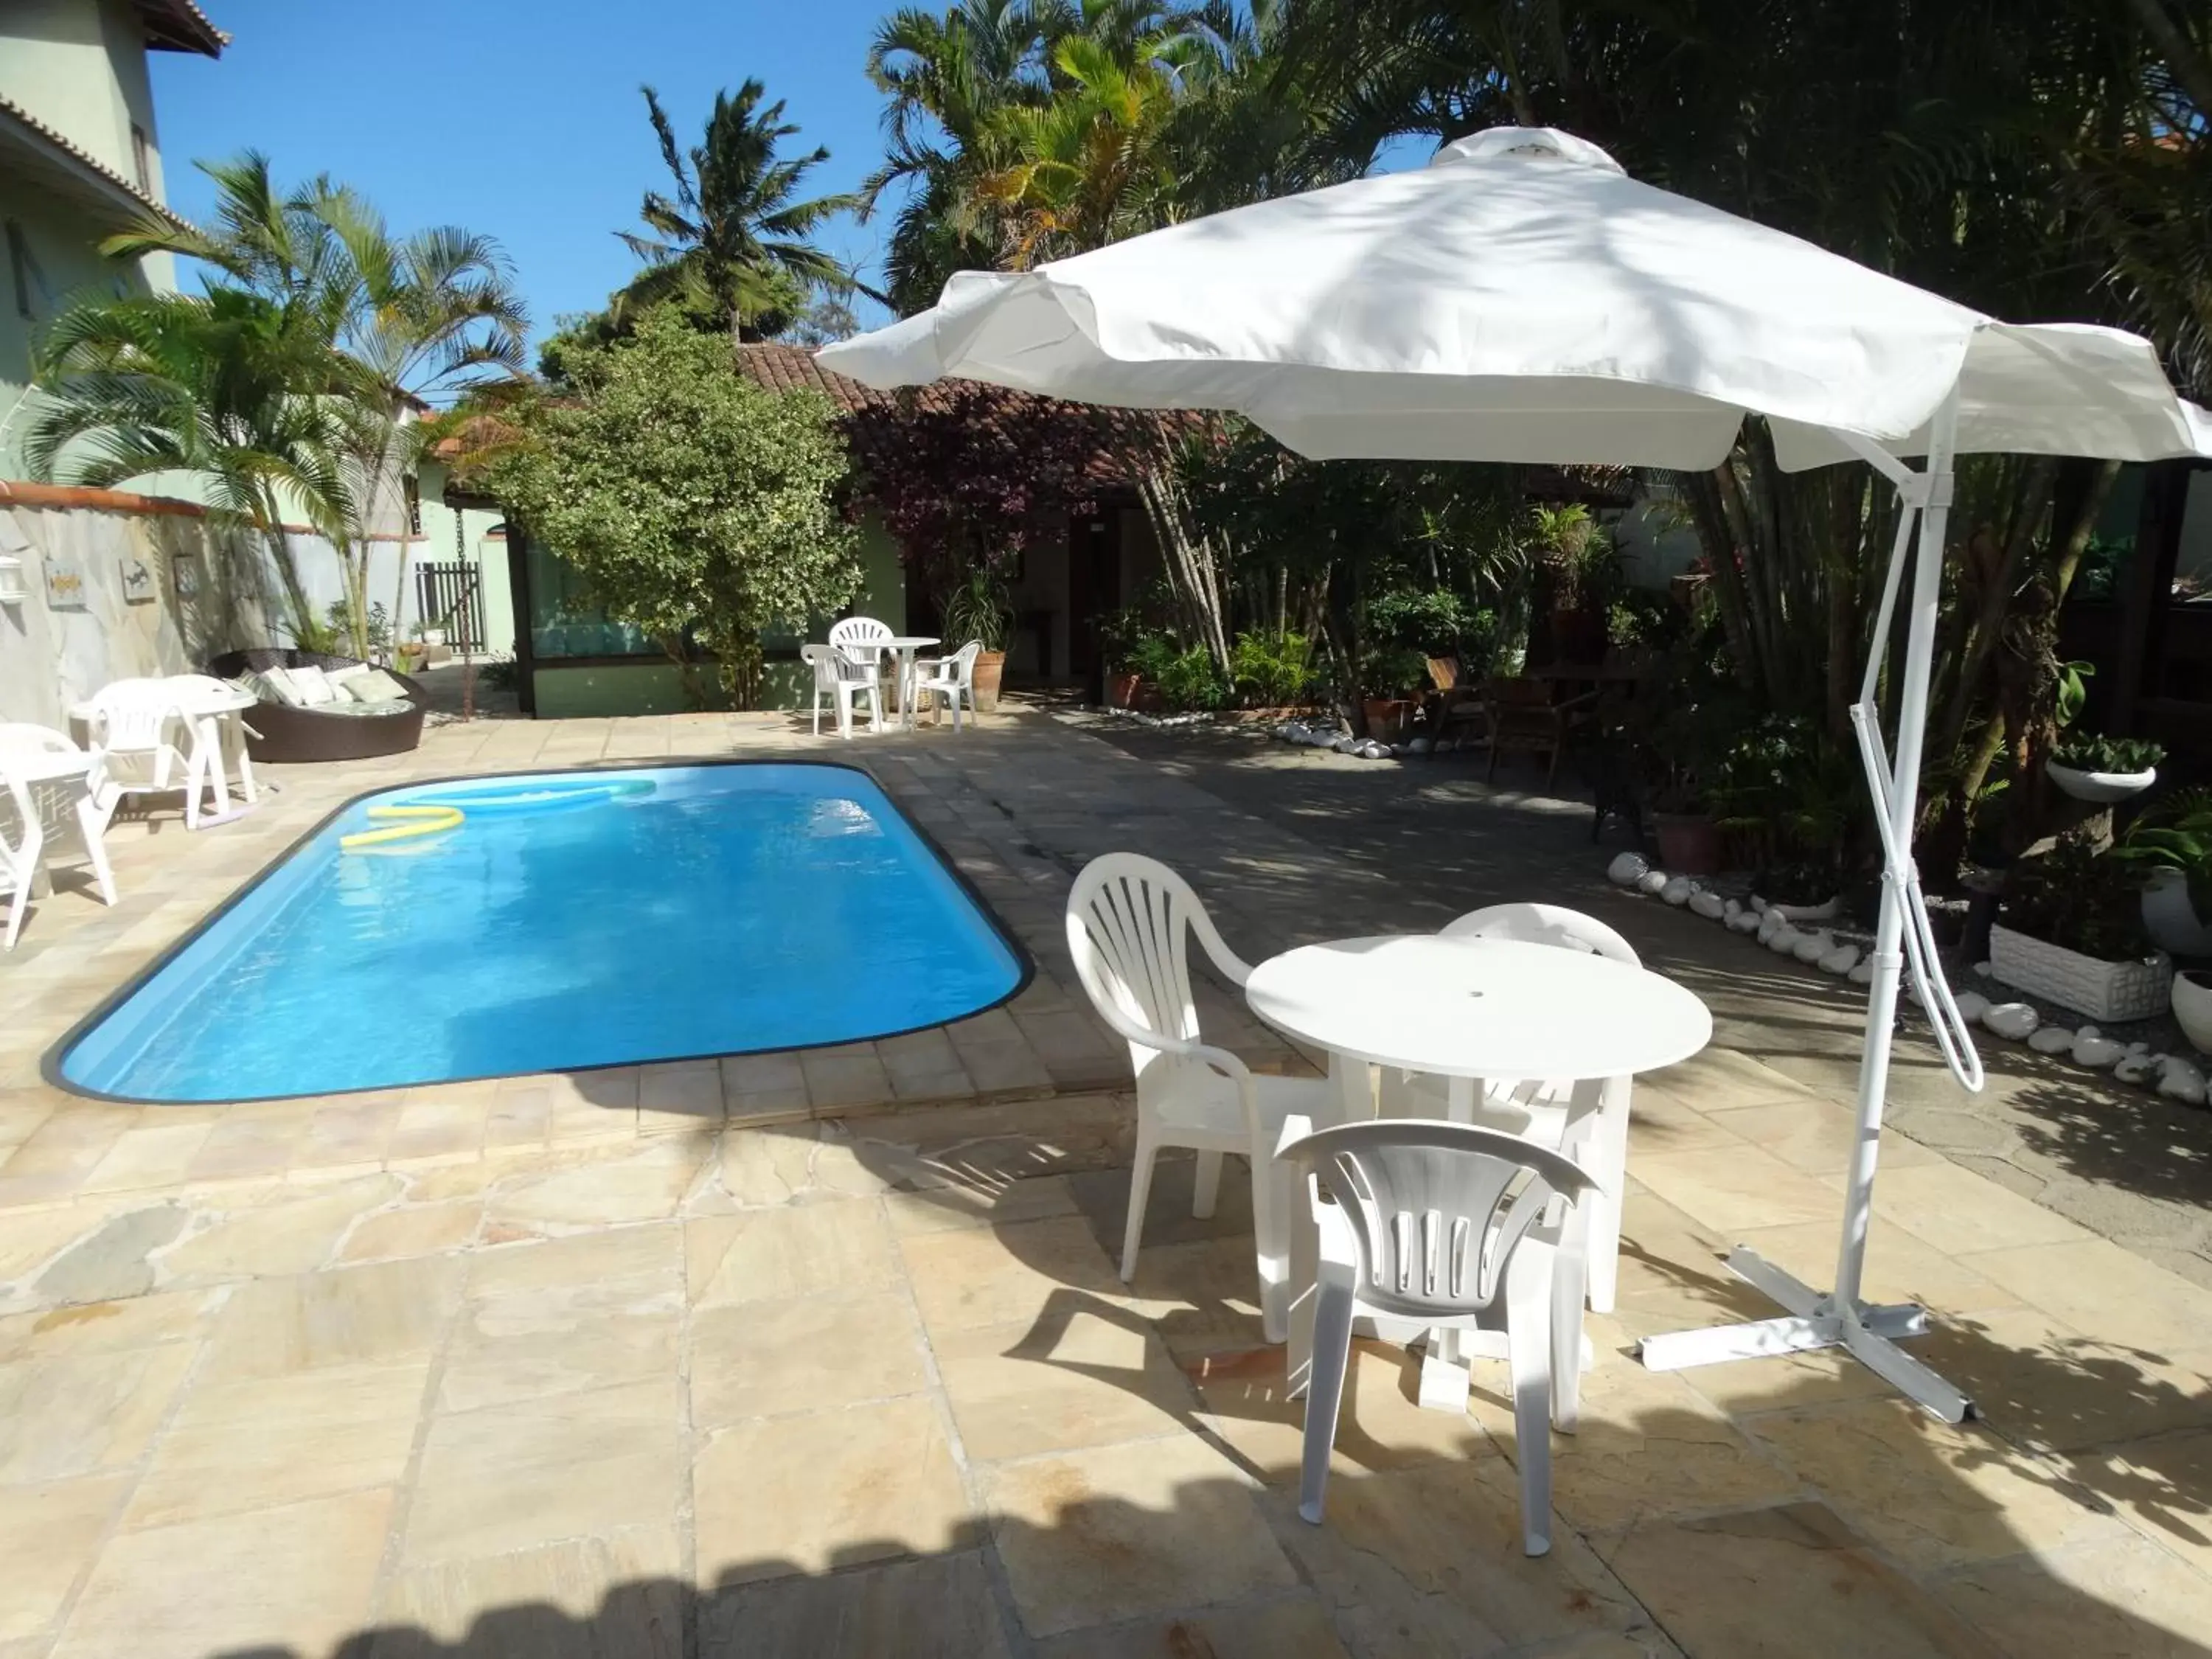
x: 1129, y: 921
x: 131, y: 727
x: 1424, y: 1219
x: 951, y: 679
x: 1588, y: 1121
x: 836, y: 677
x: 51, y: 807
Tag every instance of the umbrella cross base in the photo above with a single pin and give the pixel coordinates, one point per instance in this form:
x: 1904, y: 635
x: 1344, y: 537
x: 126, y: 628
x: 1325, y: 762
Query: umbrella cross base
x: 1813, y: 1321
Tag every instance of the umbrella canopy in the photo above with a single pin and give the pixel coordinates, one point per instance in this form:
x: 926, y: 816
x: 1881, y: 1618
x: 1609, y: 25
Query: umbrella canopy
x: 1523, y: 298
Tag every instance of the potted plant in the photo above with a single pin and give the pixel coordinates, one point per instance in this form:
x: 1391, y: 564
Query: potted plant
x: 979, y: 609
x: 2172, y: 839
x: 1274, y: 671
x: 2104, y: 770
x: 2071, y: 931
x: 1788, y: 795
x: 1391, y: 681
x: 1119, y: 632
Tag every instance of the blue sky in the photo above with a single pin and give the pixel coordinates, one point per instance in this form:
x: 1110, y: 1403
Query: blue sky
x: 520, y: 118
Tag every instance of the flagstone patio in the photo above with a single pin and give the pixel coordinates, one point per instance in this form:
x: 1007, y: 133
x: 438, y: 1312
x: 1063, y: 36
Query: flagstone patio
x: 824, y: 1353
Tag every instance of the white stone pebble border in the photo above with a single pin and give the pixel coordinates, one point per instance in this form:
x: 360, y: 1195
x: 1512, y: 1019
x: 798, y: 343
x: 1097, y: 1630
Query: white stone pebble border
x: 1793, y: 932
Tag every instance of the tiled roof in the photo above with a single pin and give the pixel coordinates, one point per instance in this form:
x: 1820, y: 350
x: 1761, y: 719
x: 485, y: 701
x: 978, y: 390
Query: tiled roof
x: 1123, y: 434
x: 180, y: 26
x: 40, y: 132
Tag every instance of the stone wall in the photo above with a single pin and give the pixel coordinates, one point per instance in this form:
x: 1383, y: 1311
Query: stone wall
x: 194, y: 590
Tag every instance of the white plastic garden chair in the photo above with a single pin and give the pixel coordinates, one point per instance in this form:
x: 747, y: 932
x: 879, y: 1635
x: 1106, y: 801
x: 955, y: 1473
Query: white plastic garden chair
x: 951, y: 679
x: 131, y: 727
x: 52, y: 807
x: 1427, y: 1220
x: 1129, y: 922
x: 1588, y: 1121
x: 836, y: 677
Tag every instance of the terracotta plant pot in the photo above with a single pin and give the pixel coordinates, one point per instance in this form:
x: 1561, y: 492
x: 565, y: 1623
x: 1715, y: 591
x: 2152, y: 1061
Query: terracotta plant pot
x: 1121, y: 691
x: 990, y: 668
x: 1689, y: 843
x: 1387, y: 717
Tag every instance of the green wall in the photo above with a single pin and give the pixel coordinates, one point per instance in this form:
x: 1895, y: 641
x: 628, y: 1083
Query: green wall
x: 651, y: 686
x: 61, y: 238
x: 647, y: 687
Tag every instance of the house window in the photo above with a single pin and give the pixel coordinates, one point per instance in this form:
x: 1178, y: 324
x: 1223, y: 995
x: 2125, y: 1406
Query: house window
x: 142, y: 158
x: 18, y: 269
x: 413, y: 492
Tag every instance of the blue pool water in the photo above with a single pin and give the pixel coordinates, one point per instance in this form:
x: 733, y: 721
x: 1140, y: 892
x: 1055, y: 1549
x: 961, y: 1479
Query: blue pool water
x: 573, y: 919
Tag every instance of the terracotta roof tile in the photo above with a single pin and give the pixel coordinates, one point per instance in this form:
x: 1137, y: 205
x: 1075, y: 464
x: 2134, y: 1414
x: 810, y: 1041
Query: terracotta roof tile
x: 180, y: 26
x: 1122, y: 433
x: 15, y: 113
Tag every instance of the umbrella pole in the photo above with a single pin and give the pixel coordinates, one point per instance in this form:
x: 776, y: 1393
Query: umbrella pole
x: 1839, y: 1318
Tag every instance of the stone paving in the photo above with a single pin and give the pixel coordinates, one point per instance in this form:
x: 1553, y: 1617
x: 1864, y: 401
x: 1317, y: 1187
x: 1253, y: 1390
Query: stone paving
x: 824, y: 1353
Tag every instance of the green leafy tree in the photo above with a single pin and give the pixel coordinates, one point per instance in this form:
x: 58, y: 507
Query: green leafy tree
x: 698, y: 507
x: 733, y: 246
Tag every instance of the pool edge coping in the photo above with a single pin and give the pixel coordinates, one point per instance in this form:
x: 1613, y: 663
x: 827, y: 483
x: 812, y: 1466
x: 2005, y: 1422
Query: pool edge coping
x: 49, y: 1060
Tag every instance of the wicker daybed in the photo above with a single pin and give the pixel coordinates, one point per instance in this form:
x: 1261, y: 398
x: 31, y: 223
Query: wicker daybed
x: 283, y: 734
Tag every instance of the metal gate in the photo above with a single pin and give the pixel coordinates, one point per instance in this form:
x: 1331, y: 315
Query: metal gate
x: 451, y: 596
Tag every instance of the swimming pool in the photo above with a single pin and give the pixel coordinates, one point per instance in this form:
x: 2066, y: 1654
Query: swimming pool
x: 568, y: 920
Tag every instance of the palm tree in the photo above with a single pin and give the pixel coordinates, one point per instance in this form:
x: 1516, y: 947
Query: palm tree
x: 734, y: 244
x: 948, y: 79
x: 403, y: 323
x: 1027, y: 130
x: 210, y: 385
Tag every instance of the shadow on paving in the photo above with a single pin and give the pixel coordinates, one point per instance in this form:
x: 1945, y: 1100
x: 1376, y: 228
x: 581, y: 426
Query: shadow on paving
x: 1794, y: 1524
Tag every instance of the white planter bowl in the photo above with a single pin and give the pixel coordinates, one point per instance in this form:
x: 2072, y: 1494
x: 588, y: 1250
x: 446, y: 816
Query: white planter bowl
x: 2101, y: 787
x: 2192, y: 1007
x: 2170, y: 916
x: 2088, y: 985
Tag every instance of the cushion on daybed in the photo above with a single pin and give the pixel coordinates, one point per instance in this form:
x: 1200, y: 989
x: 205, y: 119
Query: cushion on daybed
x: 374, y: 685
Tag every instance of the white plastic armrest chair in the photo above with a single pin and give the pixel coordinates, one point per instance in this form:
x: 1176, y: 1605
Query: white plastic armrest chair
x: 131, y: 727
x: 1424, y: 1219
x: 51, y: 808
x: 864, y: 641
x: 949, y: 680
x: 1129, y: 922
x: 836, y: 677
x: 1588, y: 1121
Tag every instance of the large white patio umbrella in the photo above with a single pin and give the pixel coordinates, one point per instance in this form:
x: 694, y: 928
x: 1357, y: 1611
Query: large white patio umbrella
x: 1522, y: 299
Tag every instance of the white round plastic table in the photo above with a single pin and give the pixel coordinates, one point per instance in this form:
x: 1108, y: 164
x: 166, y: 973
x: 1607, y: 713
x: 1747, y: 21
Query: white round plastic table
x: 1460, y: 1007
x: 1475, y: 1007
x: 906, y: 645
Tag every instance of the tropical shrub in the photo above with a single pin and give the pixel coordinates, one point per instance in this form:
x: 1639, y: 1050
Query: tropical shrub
x: 1272, y: 669
x: 2079, y: 898
x: 696, y: 506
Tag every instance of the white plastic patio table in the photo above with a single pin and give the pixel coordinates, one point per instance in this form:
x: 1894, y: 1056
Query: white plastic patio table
x: 906, y: 645
x: 208, y: 713
x: 1461, y: 1007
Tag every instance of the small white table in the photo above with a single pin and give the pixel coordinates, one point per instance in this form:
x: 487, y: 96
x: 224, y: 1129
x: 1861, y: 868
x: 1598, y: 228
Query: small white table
x: 1462, y: 1007
x: 906, y: 645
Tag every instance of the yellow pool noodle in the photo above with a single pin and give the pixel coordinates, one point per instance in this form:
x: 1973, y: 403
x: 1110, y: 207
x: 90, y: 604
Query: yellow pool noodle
x: 416, y: 821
